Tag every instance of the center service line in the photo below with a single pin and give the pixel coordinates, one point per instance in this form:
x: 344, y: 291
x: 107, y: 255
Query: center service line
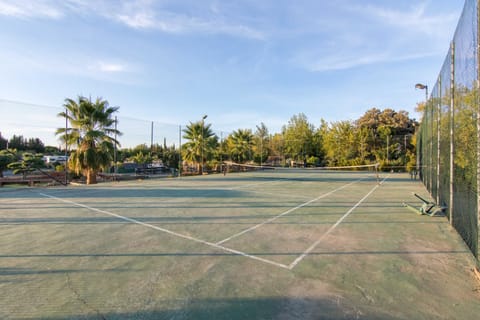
x: 300, y: 258
x: 286, y: 212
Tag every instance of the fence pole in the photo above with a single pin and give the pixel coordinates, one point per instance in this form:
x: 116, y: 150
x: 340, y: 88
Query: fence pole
x: 66, y: 145
x: 180, y: 151
x: 477, y: 84
x: 430, y: 140
x: 452, y: 133
x: 439, y: 106
x: 151, y: 140
x: 115, y: 167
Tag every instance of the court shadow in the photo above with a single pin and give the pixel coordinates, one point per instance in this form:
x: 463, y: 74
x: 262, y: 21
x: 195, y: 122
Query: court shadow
x: 285, y: 308
x: 158, y: 192
x: 32, y: 271
x: 324, y: 178
x: 196, y: 220
x: 17, y: 271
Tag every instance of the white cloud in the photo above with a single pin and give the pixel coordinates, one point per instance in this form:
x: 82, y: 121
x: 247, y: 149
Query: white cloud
x: 343, y: 62
x: 416, y: 19
x: 140, y: 14
x: 137, y: 20
x: 109, y: 67
x: 170, y: 22
x: 373, y: 34
x: 29, y: 9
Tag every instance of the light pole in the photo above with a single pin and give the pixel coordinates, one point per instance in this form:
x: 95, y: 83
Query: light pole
x: 203, y: 140
x: 421, y: 87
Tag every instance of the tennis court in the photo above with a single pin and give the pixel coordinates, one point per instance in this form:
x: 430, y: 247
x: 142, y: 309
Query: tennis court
x: 269, y: 244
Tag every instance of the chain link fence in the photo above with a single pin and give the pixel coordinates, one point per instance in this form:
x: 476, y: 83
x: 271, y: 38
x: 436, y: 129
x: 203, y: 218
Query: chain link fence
x: 448, y: 141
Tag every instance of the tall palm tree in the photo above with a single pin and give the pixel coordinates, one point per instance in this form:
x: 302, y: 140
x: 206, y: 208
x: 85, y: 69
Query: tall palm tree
x: 90, y: 134
x: 201, y: 142
x: 261, y: 138
x: 241, y: 143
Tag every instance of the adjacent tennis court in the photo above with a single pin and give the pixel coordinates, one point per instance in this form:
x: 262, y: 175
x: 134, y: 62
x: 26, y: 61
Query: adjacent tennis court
x: 268, y: 244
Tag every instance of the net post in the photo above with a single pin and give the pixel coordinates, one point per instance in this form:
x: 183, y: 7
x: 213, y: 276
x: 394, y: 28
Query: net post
x: 376, y: 173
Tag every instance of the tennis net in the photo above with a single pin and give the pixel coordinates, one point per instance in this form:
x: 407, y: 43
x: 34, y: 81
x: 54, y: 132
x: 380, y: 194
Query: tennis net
x: 306, y: 173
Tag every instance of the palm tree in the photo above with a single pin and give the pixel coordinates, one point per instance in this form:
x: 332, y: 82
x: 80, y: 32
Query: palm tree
x: 261, y: 138
x: 90, y: 134
x: 241, y: 144
x: 201, y: 142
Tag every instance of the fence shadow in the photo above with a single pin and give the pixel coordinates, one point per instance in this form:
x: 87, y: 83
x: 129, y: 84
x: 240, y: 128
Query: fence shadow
x: 286, y: 308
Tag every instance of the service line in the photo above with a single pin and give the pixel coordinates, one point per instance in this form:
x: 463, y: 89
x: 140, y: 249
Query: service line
x: 303, y: 255
x: 286, y: 212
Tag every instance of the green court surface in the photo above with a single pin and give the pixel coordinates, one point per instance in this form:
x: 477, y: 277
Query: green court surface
x: 274, y: 244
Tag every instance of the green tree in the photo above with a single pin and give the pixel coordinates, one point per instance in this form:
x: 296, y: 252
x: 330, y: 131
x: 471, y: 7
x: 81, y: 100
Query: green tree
x: 200, y: 145
x: 382, y: 129
x: 340, y: 143
x: 261, y: 143
x: 465, y: 137
x: 17, y: 142
x: 171, y: 157
x: 6, y: 157
x: 52, y: 150
x: 298, y: 135
x: 240, y: 144
x: 142, y: 158
x: 90, y: 134
x: 383, y: 153
x: 319, y: 142
x: 276, y: 147
x: 3, y: 142
x: 35, y: 145
x: 28, y: 163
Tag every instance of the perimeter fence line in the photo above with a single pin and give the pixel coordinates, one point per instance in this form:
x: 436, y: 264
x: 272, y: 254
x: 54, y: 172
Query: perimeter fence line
x: 448, y: 147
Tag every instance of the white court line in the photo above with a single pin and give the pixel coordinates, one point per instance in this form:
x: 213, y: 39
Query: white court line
x: 240, y: 253
x: 287, y: 212
x: 301, y: 257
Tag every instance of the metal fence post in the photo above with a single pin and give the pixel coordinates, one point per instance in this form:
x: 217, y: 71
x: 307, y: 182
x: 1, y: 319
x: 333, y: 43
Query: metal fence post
x: 180, y: 151
x: 439, y: 110
x: 477, y: 85
x: 452, y: 124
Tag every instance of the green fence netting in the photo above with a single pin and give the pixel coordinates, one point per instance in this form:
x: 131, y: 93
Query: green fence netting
x: 448, y: 137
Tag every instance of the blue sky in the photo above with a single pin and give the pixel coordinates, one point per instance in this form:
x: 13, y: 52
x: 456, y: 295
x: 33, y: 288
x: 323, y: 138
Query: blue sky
x: 239, y: 62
